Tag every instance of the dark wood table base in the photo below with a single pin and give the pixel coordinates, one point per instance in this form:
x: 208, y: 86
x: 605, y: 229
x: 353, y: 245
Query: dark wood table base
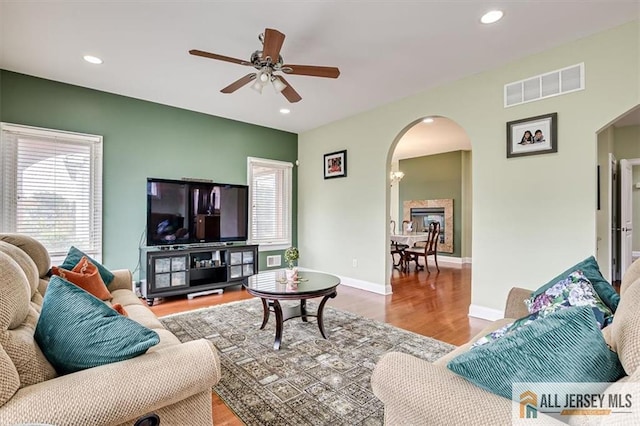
x: 289, y: 312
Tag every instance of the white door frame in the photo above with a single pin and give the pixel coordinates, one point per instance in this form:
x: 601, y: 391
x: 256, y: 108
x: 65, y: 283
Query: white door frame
x: 626, y: 212
x: 612, y: 181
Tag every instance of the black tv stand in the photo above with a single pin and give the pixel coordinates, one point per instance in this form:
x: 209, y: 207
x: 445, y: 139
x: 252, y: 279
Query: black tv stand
x: 193, y: 270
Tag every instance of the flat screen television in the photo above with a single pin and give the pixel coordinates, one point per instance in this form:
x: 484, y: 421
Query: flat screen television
x: 187, y: 212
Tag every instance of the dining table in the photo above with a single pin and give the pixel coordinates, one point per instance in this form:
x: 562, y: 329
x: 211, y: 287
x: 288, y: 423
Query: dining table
x: 409, y: 239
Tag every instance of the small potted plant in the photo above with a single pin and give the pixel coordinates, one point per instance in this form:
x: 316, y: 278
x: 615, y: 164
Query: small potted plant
x: 290, y: 256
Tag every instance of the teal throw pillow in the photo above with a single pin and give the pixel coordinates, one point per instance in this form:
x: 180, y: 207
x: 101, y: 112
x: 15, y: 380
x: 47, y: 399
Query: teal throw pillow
x: 76, y: 330
x: 566, y: 346
x: 75, y: 255
x: 590, y: 269
x: 574, y: 290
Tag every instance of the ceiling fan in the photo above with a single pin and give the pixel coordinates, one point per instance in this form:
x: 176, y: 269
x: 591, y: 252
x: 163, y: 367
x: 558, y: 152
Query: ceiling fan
x: 268, y: 61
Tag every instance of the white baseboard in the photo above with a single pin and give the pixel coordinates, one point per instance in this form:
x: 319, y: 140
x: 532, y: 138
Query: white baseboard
x: 635, y: 254
x: 483, y: 312
x: 449, y: 260
x: 466, y: 260
x: 356, y: 283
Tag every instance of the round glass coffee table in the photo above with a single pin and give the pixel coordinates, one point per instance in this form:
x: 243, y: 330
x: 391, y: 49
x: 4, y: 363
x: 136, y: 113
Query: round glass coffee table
x: 272, y: 287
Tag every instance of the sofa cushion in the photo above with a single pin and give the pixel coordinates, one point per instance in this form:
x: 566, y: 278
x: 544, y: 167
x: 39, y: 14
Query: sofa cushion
x: 86, y: 276
x: 17, y: 326
x: 566, y: 346
x: 573, y: 290
x: 625, y: 329
x: 36, y: 251
x: 10, y: 382
x: 631, y: 275
x: 26, y: 264
x: 73, y: 257
x: 77, y: 330
x: 590, y: 269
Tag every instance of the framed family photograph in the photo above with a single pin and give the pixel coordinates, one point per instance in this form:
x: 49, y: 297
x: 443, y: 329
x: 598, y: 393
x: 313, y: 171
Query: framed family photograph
x: 532, y: 136
x: 335, y: 164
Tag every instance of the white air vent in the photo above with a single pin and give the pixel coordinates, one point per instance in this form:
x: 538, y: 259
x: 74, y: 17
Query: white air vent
x: 554, y: 83
x: 273, y: 261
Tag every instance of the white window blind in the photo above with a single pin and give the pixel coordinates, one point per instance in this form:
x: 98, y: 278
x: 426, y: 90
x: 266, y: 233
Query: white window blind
x: 270, y: 198
x: 52, y: 188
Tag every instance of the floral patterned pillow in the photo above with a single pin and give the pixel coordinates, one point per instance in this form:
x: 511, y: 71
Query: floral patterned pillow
x: 505, y: 330
x: 575, y: 290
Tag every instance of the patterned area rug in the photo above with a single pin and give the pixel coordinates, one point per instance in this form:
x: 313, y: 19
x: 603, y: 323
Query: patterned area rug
x: 309, y: 381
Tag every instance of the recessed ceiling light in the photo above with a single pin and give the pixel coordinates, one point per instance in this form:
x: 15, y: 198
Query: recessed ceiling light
x: 92, y: 59
x: 491, y: 17
x: 428, y: 120
x: 284, y: 111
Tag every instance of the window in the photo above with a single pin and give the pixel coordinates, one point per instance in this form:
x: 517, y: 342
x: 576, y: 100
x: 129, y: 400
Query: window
x: 270, y: 197
x: 52, y: 188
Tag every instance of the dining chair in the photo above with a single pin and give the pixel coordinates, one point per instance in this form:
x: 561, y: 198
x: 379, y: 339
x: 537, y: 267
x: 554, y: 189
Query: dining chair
x: 397, y: 249
x: 430, y: 248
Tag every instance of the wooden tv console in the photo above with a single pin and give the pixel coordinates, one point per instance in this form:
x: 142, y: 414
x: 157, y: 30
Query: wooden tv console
x: 194, y: 270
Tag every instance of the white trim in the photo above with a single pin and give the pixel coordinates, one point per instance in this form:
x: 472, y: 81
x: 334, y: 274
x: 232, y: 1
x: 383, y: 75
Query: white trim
x: 356, y: 283
x: 483, y: 312
x: 280, y: 244
x: 268, y: 162
x: 272, y: 246
x: 450, y: 260
x: 39, y: 131
x: 635, y: 254
x: 466, y: 260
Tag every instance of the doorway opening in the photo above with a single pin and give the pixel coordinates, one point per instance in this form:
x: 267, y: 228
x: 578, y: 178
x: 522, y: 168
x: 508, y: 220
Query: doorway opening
x: 618, y: 210
x: 430, y: 180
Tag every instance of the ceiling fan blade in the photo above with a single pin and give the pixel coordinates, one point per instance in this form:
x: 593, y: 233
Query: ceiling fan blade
x: 289, y: 92
x: 312, y: 70
x: 218, y: 57
x: 239, y: 83
x: 273, y: 40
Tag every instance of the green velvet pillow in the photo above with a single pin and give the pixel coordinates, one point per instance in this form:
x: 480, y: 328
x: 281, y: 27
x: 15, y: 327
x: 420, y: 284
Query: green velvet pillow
x: 566, y: 346
x: 75, y: 255
x: 589, y: 268
x: 76, y: 330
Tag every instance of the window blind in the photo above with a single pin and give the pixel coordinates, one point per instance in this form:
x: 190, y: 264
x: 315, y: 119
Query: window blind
x: 52, y: 188
x: 270, y: 198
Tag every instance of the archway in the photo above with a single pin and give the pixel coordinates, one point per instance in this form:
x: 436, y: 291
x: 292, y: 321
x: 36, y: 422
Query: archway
x: 433, y: 157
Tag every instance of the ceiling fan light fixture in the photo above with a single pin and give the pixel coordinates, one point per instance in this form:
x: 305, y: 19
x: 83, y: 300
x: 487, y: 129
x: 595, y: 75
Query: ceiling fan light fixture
x: 264, y: 76
x: 257, y: 86
x: 278, y: 85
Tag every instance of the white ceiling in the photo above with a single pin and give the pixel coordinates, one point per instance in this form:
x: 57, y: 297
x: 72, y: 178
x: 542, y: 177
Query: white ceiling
x: 385, y: 50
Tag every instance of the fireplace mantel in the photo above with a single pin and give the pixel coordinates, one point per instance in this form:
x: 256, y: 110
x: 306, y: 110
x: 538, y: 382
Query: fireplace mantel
x: 447, y: 205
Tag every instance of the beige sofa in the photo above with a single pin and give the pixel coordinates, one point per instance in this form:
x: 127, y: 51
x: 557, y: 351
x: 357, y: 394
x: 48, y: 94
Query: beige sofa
x: 417, y: 392
x: 172, y: 379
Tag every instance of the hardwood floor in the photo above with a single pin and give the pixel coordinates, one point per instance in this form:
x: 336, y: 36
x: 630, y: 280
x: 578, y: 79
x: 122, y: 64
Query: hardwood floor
x: 434, y: 305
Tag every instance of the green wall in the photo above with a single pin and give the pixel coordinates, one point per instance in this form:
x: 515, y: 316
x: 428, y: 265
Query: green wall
x: 143, y: 139
x: 435, y: 177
